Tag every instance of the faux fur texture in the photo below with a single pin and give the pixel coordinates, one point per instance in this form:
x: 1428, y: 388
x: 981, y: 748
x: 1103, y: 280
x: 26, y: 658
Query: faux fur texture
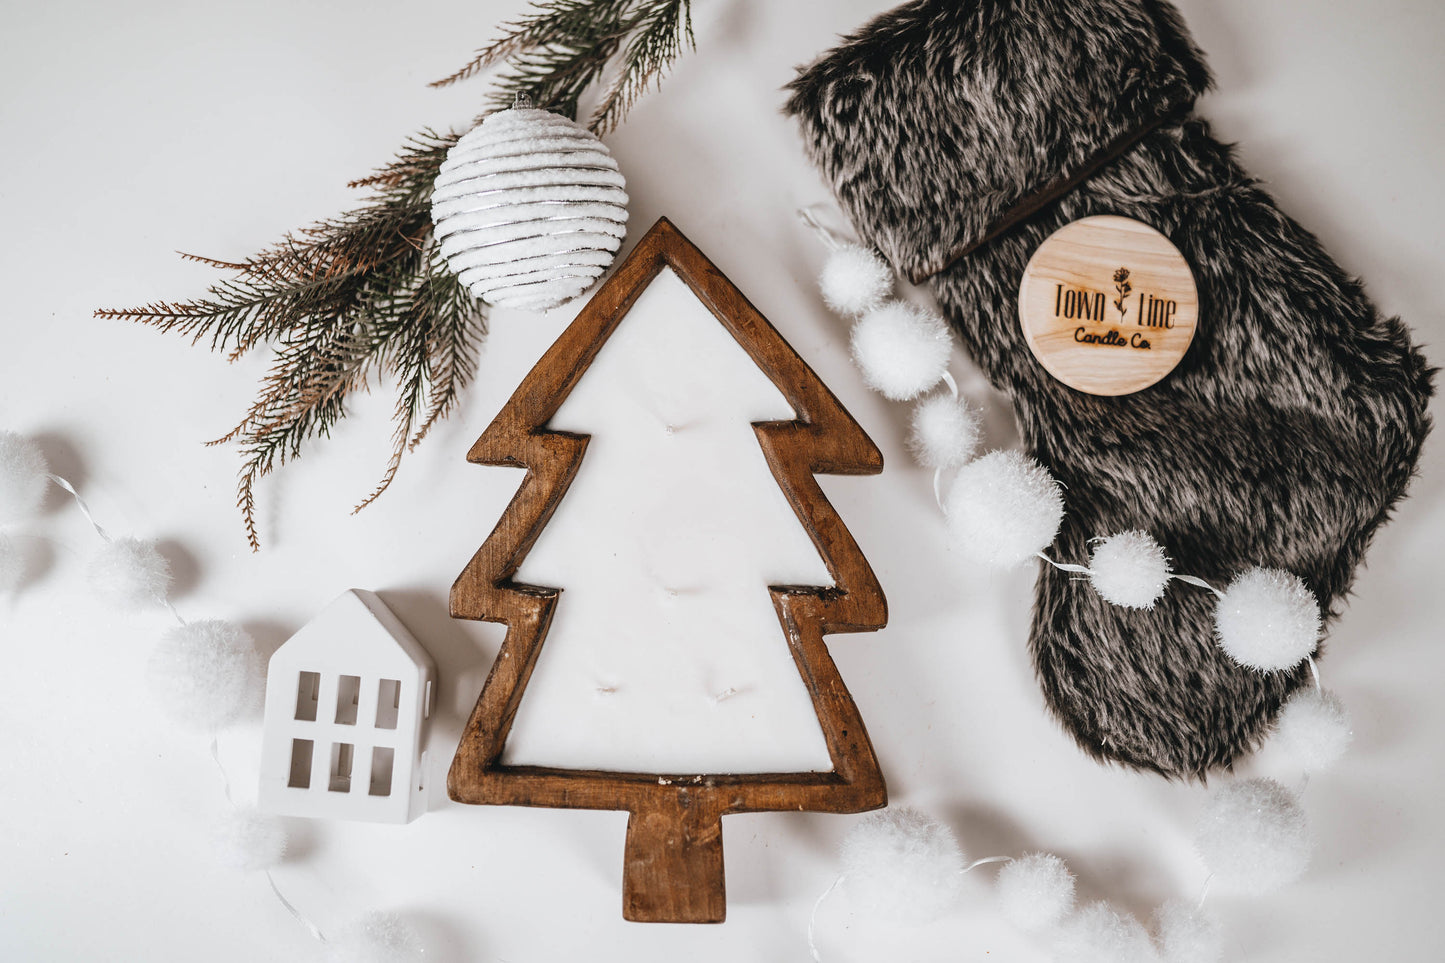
x: 1283, y: 438
x: 968, y: 106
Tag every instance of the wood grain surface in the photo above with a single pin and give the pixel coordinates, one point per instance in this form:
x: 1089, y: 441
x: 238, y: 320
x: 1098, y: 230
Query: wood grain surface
x: 1108, y: 305
x: 673, y: 865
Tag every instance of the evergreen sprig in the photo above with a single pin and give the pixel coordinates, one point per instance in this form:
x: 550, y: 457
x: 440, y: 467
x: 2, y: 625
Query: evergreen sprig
x: 658, y: 33
x: 564, y: 47
x: 367, y: 295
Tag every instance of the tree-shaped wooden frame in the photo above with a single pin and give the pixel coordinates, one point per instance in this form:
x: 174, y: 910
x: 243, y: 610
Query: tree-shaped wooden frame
x: 673, y: 867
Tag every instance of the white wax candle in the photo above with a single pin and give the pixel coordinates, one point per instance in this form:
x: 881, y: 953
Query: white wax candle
x: 665, y: 654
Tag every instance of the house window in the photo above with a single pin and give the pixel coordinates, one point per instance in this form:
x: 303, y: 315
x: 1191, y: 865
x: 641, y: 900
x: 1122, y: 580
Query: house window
x: 388, y: 703
x: 382, y: 760
x: 300, y: 764
x: 348, y: 694
x: 308, y: 691
x: 341, y: 753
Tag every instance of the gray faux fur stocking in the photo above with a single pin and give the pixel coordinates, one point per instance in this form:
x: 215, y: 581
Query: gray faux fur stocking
x: 959, y: 134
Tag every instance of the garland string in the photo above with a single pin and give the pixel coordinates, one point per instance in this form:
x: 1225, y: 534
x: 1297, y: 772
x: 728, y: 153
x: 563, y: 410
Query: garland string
x: 813, y: 920
x: 215, y: 751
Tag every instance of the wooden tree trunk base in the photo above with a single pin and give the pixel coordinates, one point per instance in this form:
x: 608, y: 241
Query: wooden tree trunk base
x: 673, y: 863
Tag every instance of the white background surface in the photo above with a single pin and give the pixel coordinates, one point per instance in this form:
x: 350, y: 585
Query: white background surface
x: 129, y: 130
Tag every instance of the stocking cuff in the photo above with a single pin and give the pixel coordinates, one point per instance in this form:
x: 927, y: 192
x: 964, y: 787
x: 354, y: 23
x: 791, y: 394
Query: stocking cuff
x: 944, y: 122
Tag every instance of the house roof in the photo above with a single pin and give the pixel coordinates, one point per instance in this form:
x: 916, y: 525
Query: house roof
x: 371, y: 631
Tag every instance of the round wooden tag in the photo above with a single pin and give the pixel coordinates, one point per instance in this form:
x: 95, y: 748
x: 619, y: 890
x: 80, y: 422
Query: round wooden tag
x: 1108, y: 305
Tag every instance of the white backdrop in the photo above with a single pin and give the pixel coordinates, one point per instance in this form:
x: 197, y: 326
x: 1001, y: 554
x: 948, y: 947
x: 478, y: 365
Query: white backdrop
x: 133, y: 129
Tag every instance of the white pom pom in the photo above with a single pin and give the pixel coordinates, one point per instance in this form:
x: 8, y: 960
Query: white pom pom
x: 1101, y: 934
x: 23, y: 474
x: 130, y: 573
x: 901, y: 350
x: 1130, y: 569
x: 12, y: 564
x: 1268, y: 620
x: 945, y: 432
x: 902, y: 865
x: 1313, y: 728
x: 1253, y: 835
x: 1003, y: 508
x: 1188, y: 934
x: 205, y: 674
x: 375, y: 938
x: 248, y: 839
x: 1035, y: 891
x: 855, y: 280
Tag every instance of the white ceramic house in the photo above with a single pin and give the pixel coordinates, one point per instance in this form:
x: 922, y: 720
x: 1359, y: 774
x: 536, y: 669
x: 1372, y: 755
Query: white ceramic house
x: 347, y: 703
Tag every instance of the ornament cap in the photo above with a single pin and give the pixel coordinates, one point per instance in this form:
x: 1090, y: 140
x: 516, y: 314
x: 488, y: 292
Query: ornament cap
x: 522, y: 101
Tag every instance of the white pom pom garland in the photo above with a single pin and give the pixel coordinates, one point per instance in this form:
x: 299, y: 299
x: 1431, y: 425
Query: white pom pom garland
x: 23, y: 475
x: 12, y: 564
x: 901, y: 350
x: 1098, y: 933
x: 1003, y: 508
x: 945, y: 432
x: 1129, y: 569
x: 1267, y: 620
x: 1313, y: 729
x: 205, y: 674
x: 130, y: 573
x: 902, y: 865
x: 1035, y: 892
x: 375, y: 938
x: 855, y: 280
x: 529, y: 209
x: 247, y: 839
x: 1253, y: 835
x: 1187, y: 934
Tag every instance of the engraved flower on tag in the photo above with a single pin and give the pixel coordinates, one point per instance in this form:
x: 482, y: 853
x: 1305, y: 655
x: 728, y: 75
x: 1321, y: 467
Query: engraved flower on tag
x: 1122, y: 285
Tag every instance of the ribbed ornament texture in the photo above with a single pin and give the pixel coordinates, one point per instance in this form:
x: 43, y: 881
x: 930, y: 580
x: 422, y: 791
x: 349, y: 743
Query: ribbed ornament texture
x: 529, y: 209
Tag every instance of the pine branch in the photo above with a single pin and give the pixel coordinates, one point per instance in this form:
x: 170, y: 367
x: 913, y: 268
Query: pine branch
x: 345, y: 301
x: 660, y: 32
x: 563, y: 22
x: 366, y: 296
x: 434, y: 360
x: 212, y: 262
x: 556, y: 53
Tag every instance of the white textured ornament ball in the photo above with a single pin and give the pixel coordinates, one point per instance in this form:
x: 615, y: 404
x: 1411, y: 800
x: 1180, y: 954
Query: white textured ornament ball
x: 901, y: 350
x: 945, y: 432
x: 247, y: 839
x: 1003, y: 508
x: 205, y: 674
x: 1035, y: 892
x: 1098, y: 933
x: 12, y: 564
x: 1129, y: 569
x: 529, y: 209
x: 130, y: 573
x: 1268, y: 620
x: 23, y: 474
x: 902, y: 865
x: 855, y: 280
x: 1186, y: 933
x: 1313, y: 729
x: 1253, y: 835
x: 375, y: 938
